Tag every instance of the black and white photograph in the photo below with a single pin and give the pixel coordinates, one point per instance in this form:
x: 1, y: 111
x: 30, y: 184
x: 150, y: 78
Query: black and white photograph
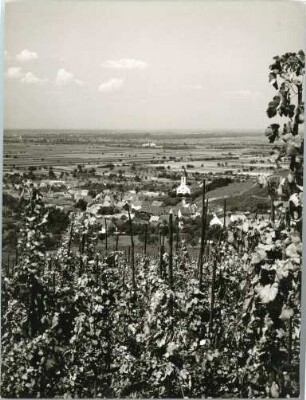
x: 152, y: 199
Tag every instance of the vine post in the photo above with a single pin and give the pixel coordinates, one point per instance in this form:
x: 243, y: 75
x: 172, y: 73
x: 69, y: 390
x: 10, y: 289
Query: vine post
x: 171, y: 249
x: 145, y: 239
x: 105, y: 224
x: 117, y: 241
x: 203, y: 223
x: 132, y: 251
x: 212, y: 295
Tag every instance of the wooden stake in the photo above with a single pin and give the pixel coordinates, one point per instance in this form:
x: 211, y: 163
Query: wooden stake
x: 272, y: 210
x: 224, y: 214
x: 54, y: 281
x: 97, y: 266
x: 177, y: 233
x: 201, y: 253
x: 145, y: 239
x: 95, y: 388
x: 8, y: 265
x: 132, y: 252
x: 83, y: 243
x: 70, y: 239
x: 290, y: 342
x: 171, y: 249
x: 161, y: 252
x: 205, y: 220
x: 105, y: 223
x: 117, y: 241
x: 212, y: 295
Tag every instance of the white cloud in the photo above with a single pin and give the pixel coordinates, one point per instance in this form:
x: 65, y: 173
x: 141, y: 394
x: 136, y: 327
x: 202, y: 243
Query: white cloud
x: 242, y: 94
x: 26, y: 55
x: 7, y: 56
x: 125, y: 63
x: 31, y: 79
x: 14, y: 73
x: 64, y: 78
x: 193, y: 87
x: 111, y: 85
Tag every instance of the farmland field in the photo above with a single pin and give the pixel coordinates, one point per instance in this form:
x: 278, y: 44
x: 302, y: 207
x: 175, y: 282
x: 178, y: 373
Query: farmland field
x: 63, y: 150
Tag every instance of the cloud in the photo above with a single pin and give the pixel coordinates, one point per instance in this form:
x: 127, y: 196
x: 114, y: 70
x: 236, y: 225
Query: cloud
x: 30, y: 79
x: 26, y: 55
x: 111, y: 85
x: 14, y: 73
x: 64, y: 78
x: 193, y: 87
x: 125, y: 63
x: 242, y: 94
x: 7, y: 56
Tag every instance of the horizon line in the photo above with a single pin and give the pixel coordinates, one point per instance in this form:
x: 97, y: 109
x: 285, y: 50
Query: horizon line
x: 141, y: 130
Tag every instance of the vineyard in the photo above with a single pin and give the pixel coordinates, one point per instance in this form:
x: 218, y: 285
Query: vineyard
x: 85, y: 323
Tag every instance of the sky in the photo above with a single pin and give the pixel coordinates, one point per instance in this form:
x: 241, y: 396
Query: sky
x: 144, y: 65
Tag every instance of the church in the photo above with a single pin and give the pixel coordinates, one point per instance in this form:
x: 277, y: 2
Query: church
x: 183, y: 188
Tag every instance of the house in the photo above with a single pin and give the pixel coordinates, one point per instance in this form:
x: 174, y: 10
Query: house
x: 79, y: 193
x: 151, y: 194
x: 120, y: 204
x: 183, y: 188
x: 106, y: 203
x: 237, y: 217
x: 136, y: 205
x: 154, y: 218
x: 93, y: 209
x: 57, y: 184
x: 108, y: 198
x: 188, y: 208
x: 84, y: 192
x: 215, y: 221
x: 156, y: 203
x: 149, y: 144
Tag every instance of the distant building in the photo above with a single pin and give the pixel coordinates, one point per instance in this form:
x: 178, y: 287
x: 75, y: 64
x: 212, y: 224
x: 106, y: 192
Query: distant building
x: 106, y: 204
x: 154, y: 218
x: 157, y: 203
x: 151, y: 194
x: 183, y: 188
x: 216, y: 221
x: 136, y: 205
x: 237, y: 217
x: 93, y: 209
x: 149, y: 144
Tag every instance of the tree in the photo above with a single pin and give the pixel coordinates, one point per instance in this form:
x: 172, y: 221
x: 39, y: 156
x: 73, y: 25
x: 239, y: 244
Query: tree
x: 51, y: 173
x: 81, y: 204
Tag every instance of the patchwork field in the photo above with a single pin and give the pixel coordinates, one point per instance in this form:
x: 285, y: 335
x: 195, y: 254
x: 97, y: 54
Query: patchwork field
x: 203, y: 152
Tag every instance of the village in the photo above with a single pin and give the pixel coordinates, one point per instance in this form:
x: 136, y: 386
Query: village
x: 109, y: 191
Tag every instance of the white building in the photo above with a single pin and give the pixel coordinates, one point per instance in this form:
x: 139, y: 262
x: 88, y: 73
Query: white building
x: 183, y: 188
x: 149, y: 144
x: 216, y: 221
x: 237, y: 217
